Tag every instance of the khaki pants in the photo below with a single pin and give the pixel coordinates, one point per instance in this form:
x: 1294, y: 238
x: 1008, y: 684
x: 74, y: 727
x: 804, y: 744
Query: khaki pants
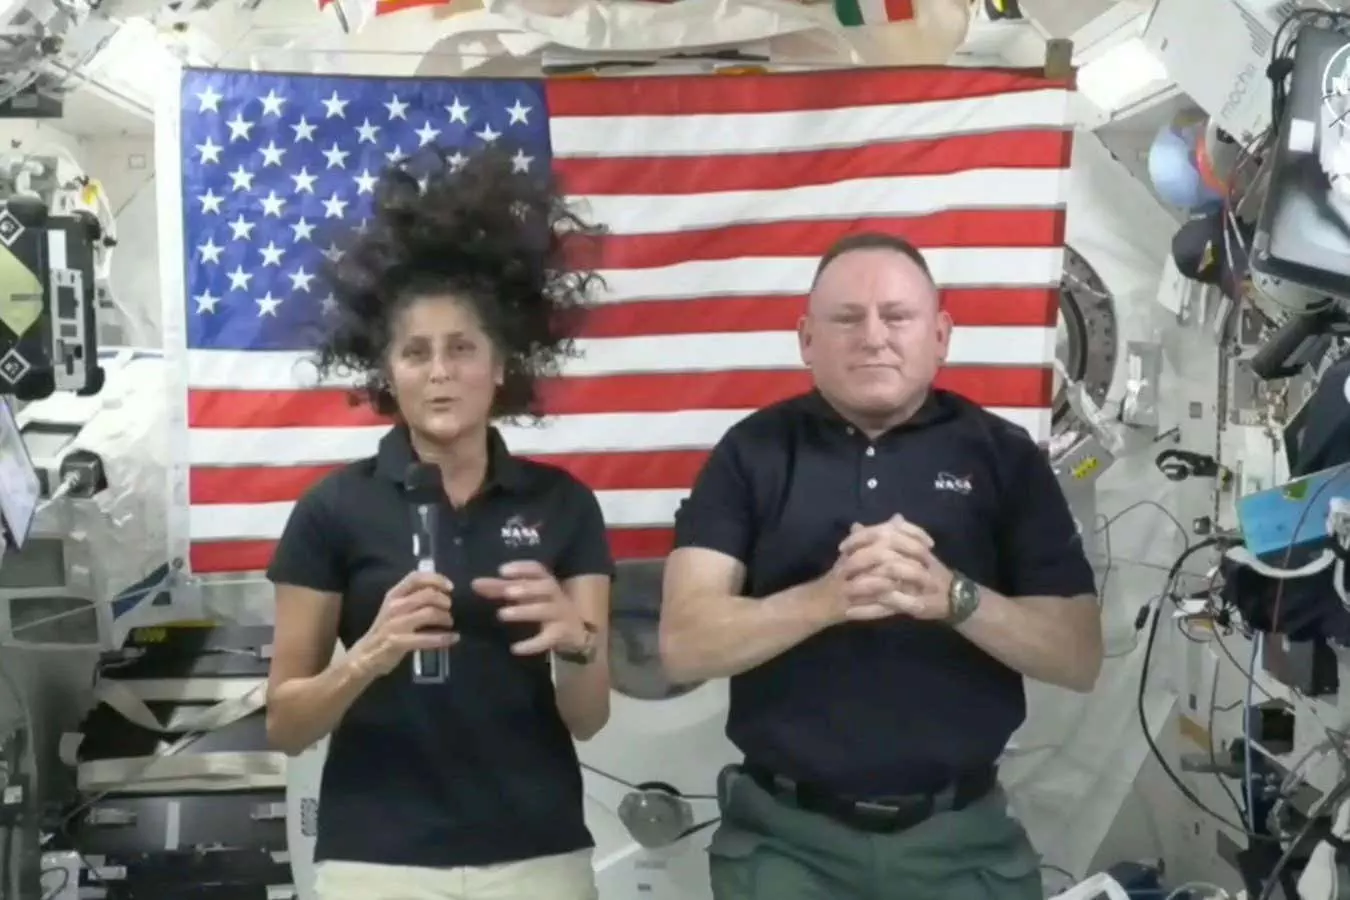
x: 565, y: 877
x: 768, y: 849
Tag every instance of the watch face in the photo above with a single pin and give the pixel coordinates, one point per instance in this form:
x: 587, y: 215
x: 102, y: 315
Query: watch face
x: 965, y: 596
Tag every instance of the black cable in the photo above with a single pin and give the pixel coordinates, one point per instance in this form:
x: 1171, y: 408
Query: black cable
x: 1332, y: 800
x: 1169, y: 589
x: 1342, y: 789
x: 1237, y: 664
x: 53, y: 892
x: 14, y: 746
x: 1213, y: 750
x: 7, y: 863
x: 1059, y: 870
x: 1181, y: 630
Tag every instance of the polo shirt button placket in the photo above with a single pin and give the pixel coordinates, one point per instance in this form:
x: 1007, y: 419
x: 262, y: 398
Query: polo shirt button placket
x: 867, y: 475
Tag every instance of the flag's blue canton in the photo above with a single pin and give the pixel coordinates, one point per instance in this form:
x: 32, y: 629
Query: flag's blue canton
x: 274, y: 164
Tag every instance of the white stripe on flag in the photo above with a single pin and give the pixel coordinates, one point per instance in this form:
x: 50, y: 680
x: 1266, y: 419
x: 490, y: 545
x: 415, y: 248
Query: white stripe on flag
x: 583, y: 433
x: 917, y: 195
x: 231, y: 521
x: 966, y: 267
x: 783, y: 132
x: 720, y: 352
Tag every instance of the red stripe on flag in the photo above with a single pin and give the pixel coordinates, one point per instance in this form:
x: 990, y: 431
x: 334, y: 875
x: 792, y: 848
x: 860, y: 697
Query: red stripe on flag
x: 679, y: 175
x: 627, y: 544
x: 796, y: 92
x: 969, y: 307
x: 1002, y: 386
x: 1010, y: 228
x: 639, y: 471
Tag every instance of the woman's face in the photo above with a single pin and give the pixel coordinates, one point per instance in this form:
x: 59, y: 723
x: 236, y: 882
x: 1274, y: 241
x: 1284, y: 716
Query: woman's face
x: 443, y: 370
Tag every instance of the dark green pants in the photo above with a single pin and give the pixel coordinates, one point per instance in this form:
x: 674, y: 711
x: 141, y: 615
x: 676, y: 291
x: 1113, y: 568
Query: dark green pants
x: 768, y: 849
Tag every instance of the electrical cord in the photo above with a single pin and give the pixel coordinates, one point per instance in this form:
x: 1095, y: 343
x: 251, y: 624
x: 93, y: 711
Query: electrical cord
x: 1247, y: 735
x: 1249, y: 827
x: 1172, y: 776
x: 25, y: 712
x: 1338, y: 793
x: 7, y: 861
x: 1331, y: 799
x: 1294, y: 776
x: 1308, y: 506
x: 1209, y: 733
x: 53, y: 892
x: 1103, y: 526
x: 1071, y: 878
x: 26, y: 720
x: 1333, y: 736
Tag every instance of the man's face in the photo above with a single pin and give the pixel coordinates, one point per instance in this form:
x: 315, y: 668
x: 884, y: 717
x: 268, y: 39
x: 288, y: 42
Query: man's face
x: 874, y: 334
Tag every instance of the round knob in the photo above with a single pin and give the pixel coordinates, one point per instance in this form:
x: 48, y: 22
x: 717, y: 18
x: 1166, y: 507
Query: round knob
x: 655, y: 818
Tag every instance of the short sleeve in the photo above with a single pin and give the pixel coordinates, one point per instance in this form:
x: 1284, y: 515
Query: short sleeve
x: 587, y: 550
x: 309, y: 552
x: 718, y: 514
x: 1041, y: 550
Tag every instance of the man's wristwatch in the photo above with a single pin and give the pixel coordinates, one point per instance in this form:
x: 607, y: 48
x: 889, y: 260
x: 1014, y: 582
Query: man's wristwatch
x: 963, y: 598
x: 585, y: 653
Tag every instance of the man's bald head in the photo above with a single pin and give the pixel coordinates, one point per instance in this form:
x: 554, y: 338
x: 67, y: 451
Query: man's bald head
x: 874, y: 334
x: 872, y: 241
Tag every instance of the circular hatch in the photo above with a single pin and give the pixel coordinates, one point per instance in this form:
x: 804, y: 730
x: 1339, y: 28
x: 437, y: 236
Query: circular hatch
x: 1085, y: 342
x: 634, y: 644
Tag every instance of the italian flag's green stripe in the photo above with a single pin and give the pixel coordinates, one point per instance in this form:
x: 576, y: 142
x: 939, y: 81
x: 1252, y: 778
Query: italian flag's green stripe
x: 873, y: 12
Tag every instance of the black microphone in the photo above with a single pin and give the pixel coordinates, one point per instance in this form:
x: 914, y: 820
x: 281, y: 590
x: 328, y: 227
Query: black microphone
x: 422, y: 487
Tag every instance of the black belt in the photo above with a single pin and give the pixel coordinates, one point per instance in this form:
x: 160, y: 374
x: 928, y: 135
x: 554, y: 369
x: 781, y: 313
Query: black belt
x: 878, y: 814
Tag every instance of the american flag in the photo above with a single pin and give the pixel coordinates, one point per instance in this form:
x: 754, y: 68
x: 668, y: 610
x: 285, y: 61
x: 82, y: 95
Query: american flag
x: 720, y: 194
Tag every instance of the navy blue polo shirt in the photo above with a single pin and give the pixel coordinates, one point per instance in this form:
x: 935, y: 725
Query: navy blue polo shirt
x: 897, y: 706
x: 481, y: 769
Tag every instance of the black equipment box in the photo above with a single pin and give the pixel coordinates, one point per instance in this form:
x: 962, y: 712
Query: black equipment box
x: 209, y: 842
x: 219, y: 874
x: 48, y: 326
x: 191, y: 651
x: 150, y: 823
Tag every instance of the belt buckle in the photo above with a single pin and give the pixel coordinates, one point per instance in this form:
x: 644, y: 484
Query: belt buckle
x: 894, y: 816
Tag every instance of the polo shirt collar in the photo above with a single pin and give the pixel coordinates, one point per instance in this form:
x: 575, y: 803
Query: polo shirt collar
x: 939, y: 406
x: 396, y: 454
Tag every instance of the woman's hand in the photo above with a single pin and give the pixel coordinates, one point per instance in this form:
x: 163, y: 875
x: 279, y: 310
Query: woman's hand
x: 420, y: 601
x: 530, y: 593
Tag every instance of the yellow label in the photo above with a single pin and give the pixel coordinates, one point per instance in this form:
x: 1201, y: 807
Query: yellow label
x: 1085, y: 468
x: 1193, y: 731
x: 158, y: 634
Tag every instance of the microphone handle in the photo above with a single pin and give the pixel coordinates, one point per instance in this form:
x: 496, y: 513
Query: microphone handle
x: 428, y: 666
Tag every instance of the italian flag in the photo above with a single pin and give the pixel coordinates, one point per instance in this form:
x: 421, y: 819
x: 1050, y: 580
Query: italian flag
x: 387, y: 7
x: 873, y: 12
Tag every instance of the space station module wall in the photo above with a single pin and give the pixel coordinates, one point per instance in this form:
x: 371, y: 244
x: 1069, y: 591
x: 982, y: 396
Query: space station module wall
x: 95, y: 561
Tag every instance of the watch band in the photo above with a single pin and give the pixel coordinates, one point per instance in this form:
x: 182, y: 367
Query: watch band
x: 586, y: 653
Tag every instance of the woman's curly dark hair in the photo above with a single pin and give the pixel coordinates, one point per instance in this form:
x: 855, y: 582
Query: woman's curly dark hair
x: 482, y: 233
